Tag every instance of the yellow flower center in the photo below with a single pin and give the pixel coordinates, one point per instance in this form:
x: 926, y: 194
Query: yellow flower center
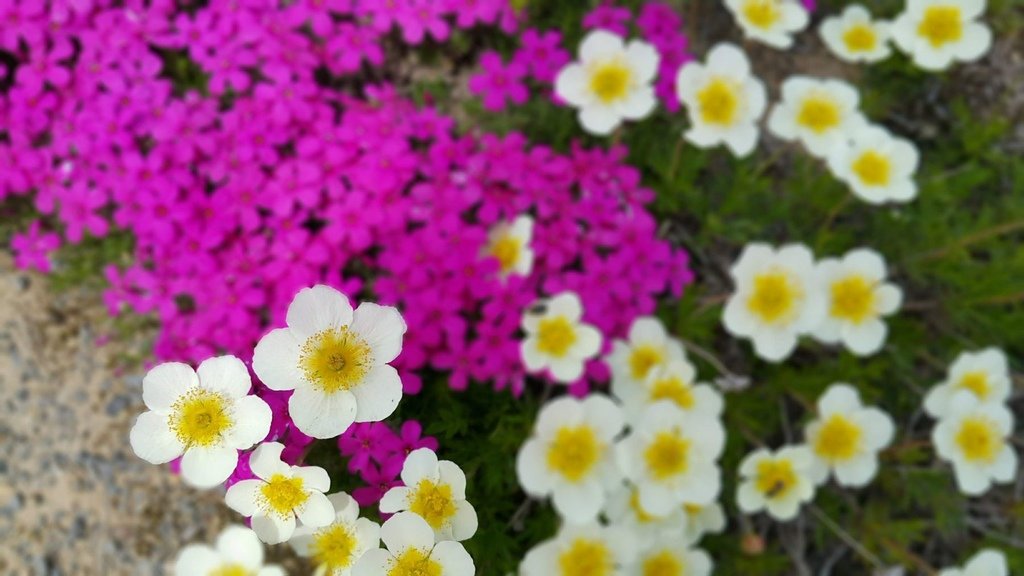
x: 230, y: 570
x: 976, y: 382
x: 762, y: 14
x: 853, y: 299
x: 719, y: 102
x: 941, y: 25
x: 979, y: 439
x: 674, y: 389
x: 200, y: 418
x: 334, y: 546
x: 283, y: 494
x: 574, y: 452
x: 839, y: 439
x: 555, y: 336
x: 586, y: 558
x: 642, y: 516
x: 666, y: 455
x: 663, y: 563
x: 335, y: 359
x: 860, y: 38
x: 610, y: 80
x: 775, y: 297
x: 433, y: 502
x: 643, y: 358
x: 775, y: 478
x: 692, y: 509
x: 819, y: 113
x: 873, y: 169
x: 415, y: 562
x: 506, y: 250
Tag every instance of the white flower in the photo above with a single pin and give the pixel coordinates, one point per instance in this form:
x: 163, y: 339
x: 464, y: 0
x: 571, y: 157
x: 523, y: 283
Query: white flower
x: 208, y: 417
x: 846, y: 437
x: 238, y: 551
x: 776, y: 299
x: 279, y: 493
x: 984, y: 374
x: 509, y: 244
x: 436, y: 491
x: 877, y: 166
x: 703, y: 519
x: 818, y: 113
x: 335, y: 548
x: 582, y: 550
x: 670, y: 456
x: 610, y: 82
x: 673, y: 381
x: 854, y: 37
x: 772, y: 22
x: 670, y: 555
x: 858, y: 298
x: 556, y: 339
x: 723, y: 100
x: 777, y: 482
x: 335, y: 359
x: 623, y: 509
x: 988, y: 562
x: 648, y: 346
x: 935, y: 33
x: 569, y: 455
x: 411, y: 551
x: 975, y: 439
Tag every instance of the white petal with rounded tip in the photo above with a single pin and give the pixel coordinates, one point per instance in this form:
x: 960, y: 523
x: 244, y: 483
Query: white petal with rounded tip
x: 531, y: 471
x: 395, y: 499
x: 748, y: 498
x: 643, y: 59
x: 317, y: 511
x: 165, y: 383
x: 313, y: 477
x: 571, y: 84
x: 265, y: 460
x: 454, y: 559
x: 251, y: 423
x: 373, y: 563
x: 225, y: 374
x: 273, y: 529
x: 638, y: 104
x: 464, y: 522
x: 420, y: 464
x: 244, y: 497
x: 196, y: 559
x: 378, y: 395
x: 207, y: 467
x: 276, y: 360
x: 240, y: 545
x: 152, y: 440
x: 406, y: 530
x: 839, y: 398
x: 449, y: 473
x: 729, y: 57
x: 318, y: 308
x: 322, y: 415
x: 271, y: 571
x: 566, y: 370
x: 382, y: 327
x: 599, y: 120
x: 604, y: 416
x: 600, y: 44
x: 579, y: 503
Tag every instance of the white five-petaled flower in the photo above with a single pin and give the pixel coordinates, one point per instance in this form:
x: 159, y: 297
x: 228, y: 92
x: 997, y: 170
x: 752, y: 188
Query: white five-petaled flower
x: 207, y: 416
x: 877, y: 166
x: 582, y: 550
x: 669, y: 554
x: 854, y: 36
x: 569, y: 456
x: 674, y: 381
x: 985, y: 374
x: 335, y: 359
x: 846, y: 437
x: 237, y: 551
x: 701, y: 520
x: 436, y: 491
x: 776, y: 298
x: 858, y: 297
x: 335, y: 548
x: 411, y: 551
x: 818, y: 113
x: 611, y: 81
x: 671, y: 455
x: 632, y: 360
x: 279, y: 494
x: 975, y: 439
x: 935, y: 33
x: 988, y: 562
x: 556, y: 339
x: 723, y: 100
x: 773, y: 22
x: 623, y: 509
x: 509, y: 244
x: 777, y: 482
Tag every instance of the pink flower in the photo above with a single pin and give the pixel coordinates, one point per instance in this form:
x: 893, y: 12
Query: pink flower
x: 32, y: 249
x: 498, y: 83
x: 608, y: 17
x: 542, y: 54
x: 379, y: 479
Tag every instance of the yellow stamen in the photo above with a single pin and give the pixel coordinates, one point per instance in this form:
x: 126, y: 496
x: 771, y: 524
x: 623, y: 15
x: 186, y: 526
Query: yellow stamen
x: 506, y: 249
x: 433, y: 502
x: 853, y: 299
x: 574, y: 452
x: 979, y: 439
x: 586, y: 558
x: 873, y: 169
x: 860, y: 38
x: 839, y: 439
x: 820, y: 113
x: 941, y: 25
x: 334, y: 547
x: 610, y: 80
x: 335, y: 359
x: 976, y: 382
x: 555, y: 336
x: 775, y: 297
x: 664, y: 563
x: 230, y: 570
x: 414, y: 562
x: 666, y: 455
x: 200, y: 418
x: 643, y: 358
x: 283, y: 494
x: 775, y: 478
x: 719, y: 102
x: 674, y: 389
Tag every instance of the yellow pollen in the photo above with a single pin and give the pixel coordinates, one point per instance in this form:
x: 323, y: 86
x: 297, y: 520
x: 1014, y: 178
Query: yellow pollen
x: 979, y: 439
x: 819, y: 113
x: 415, y: 562
x: 335, y: 359
x: 200, y: 418
x: 860, y: 38
x: 283, y: 494
x: 642, y: 516
x: 976, y: 382
x: 839, y: 439
x: 674, y: 389
x: 666, y: 455
x: 853, y: 299
x: 775, y: 478
x: 762, y: 14
x: 719, y: 102
x: 574, y: 452
x: 433, y: 502
x: 230, y: 570
x: 941, y: 25
x: 775, y: 297
x: 334, y: 547
x: 610, y: 80
x: 555, y: 336
x: 664, y: 563
x: 506, y: 250
x: 586, y: 558
x: 873, y: 169
x: 692, y: 509
x: 643, y: 358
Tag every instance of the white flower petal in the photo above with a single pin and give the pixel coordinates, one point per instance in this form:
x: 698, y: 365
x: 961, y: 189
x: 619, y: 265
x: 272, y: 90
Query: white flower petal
x: 240, y: 545
x: 252, y: 418
x: 322, y: 415
x: 165, y: 383
x: 243, y: 497
x: 454, y: 559
x: 406, y: 530
x: 152, y: 439
x: 276, y: 360
x: 382, y: 327
x: 206, y: 467
x: 317, y: 511
x: 420, y: 464
x: 273, y: 529
x: 318, y: 308
x: 225, y: 374
x: 377, y: 396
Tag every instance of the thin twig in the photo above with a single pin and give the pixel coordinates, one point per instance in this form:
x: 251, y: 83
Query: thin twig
x: 980, y: 236
x: 849, y: 540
